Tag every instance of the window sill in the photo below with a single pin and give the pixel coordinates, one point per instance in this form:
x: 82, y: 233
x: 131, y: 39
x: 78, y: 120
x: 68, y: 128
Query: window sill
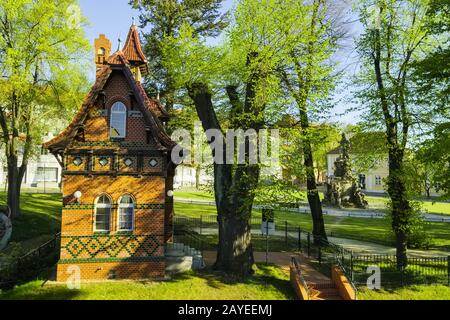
x: 125, y: 232
x: 101, y: 233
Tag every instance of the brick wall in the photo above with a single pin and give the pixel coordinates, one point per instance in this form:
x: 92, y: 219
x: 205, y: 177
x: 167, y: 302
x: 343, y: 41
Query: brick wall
x: 122, y: 270
x: 131, y: 255
x: 97, y: 126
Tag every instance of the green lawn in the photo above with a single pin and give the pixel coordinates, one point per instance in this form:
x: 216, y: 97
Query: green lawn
x: 40, y: 219
x: 407, y: 293
x: 41, y: 214
x: 442, y: 208
x: 375, y: 202
x: 371, y: 230
x: 194, y: 195
x: 269, y: 283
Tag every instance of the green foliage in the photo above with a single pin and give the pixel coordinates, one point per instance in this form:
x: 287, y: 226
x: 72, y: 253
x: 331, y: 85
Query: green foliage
x: 42, y: 52
x: 435, y: 153
x: 170, y: 19
x: 189, y: 59
x: 432, y: 72
x: 323, y: 137
x: 415, y: 229
x: 276, y: 193
x: 15, y: 250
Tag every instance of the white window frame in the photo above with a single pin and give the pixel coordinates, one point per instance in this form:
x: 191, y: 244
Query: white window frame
x: 378, y: 180
x: 123, y: 112
x: 102, y: 206
x: 125, y: 206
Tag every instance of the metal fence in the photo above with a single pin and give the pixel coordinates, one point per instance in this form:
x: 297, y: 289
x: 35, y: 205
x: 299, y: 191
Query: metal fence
x: 29, y: 266
x: 203, y: 231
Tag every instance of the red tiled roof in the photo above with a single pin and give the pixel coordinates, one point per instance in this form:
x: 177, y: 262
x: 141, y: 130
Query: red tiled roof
x: 153, y: 105
x: 61, y: 140
x: 148, y: 107
x: 132, y: 49
x: 153, y: 111
x: 118, y: 58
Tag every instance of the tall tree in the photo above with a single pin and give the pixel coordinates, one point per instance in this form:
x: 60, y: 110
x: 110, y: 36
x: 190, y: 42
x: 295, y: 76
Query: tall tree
x: 394, y: 38
x: 432, y: 76
x: 242, y: 73
x: 166, y: 18
x: 41, y: 46
x: 305, y: 71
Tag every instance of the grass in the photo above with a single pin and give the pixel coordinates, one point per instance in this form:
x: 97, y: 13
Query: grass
x: 41, y: 216
x: 375, y: 202
x: 441, y: 208
x: 194, y: 195
x: 363, y: 229
x: 40, y: 219
x: 269, y: 283
x: 407, y: 293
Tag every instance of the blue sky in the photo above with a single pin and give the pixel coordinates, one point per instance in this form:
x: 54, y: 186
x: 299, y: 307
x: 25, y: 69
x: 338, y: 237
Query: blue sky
x: 114, y: 17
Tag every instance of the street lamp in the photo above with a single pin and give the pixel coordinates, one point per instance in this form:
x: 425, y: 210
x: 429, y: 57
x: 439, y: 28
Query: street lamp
x: 77, y: 196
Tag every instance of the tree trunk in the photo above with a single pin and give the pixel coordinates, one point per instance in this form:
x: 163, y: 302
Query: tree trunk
x: 197, y: 177
x: 14, y: 185
x: 315, y: 204
x: 232, y: 195
x: 401, y: 209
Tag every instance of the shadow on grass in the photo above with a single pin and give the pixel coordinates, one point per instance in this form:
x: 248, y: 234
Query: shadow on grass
x: 266, y: 275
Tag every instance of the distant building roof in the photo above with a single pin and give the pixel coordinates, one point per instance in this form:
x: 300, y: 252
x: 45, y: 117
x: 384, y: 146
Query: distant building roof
x: 335, y: 151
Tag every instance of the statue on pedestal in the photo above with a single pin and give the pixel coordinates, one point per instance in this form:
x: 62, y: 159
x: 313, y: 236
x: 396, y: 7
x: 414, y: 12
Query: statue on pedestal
x: 342, y: 189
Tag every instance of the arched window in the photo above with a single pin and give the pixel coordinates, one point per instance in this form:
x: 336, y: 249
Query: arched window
x: 118, y: 120
x: 103, y: 213
x: 101, y: 51
x: 126, y: 213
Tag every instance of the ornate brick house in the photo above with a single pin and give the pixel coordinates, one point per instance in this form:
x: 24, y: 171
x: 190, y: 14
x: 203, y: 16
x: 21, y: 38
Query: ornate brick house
x: 117, y: 174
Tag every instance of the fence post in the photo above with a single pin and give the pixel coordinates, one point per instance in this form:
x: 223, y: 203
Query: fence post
x: 448, y: 270
x: 309, y: 244
x: 351, y: 266
x: 285, y: 232
x: 201, y: 225
x: 299, y: 240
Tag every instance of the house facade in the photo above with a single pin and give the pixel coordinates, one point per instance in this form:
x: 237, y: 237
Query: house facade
x: 117, y: 176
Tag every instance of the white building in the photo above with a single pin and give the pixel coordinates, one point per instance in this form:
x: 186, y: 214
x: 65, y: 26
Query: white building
x: 372, y: 180
x: 186, y: 176
x: 43, y: 173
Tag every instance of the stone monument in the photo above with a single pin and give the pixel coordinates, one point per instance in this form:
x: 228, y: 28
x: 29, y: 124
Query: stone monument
x: 342, y: 189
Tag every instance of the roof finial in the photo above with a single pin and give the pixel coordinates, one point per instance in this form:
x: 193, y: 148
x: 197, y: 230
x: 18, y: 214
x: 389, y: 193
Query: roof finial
x: 133, y: 24
x: 120, y: 42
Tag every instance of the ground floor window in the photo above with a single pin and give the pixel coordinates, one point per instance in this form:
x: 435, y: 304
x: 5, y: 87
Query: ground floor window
x: 103, y: 213
x: 46, y: 174
x: 126, y: 213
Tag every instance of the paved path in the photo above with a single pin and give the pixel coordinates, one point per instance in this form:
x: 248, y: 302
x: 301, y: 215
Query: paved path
x: 357, y: 246
x: 356, y: 213
x: 281, y: 259
x: 362, y: 247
